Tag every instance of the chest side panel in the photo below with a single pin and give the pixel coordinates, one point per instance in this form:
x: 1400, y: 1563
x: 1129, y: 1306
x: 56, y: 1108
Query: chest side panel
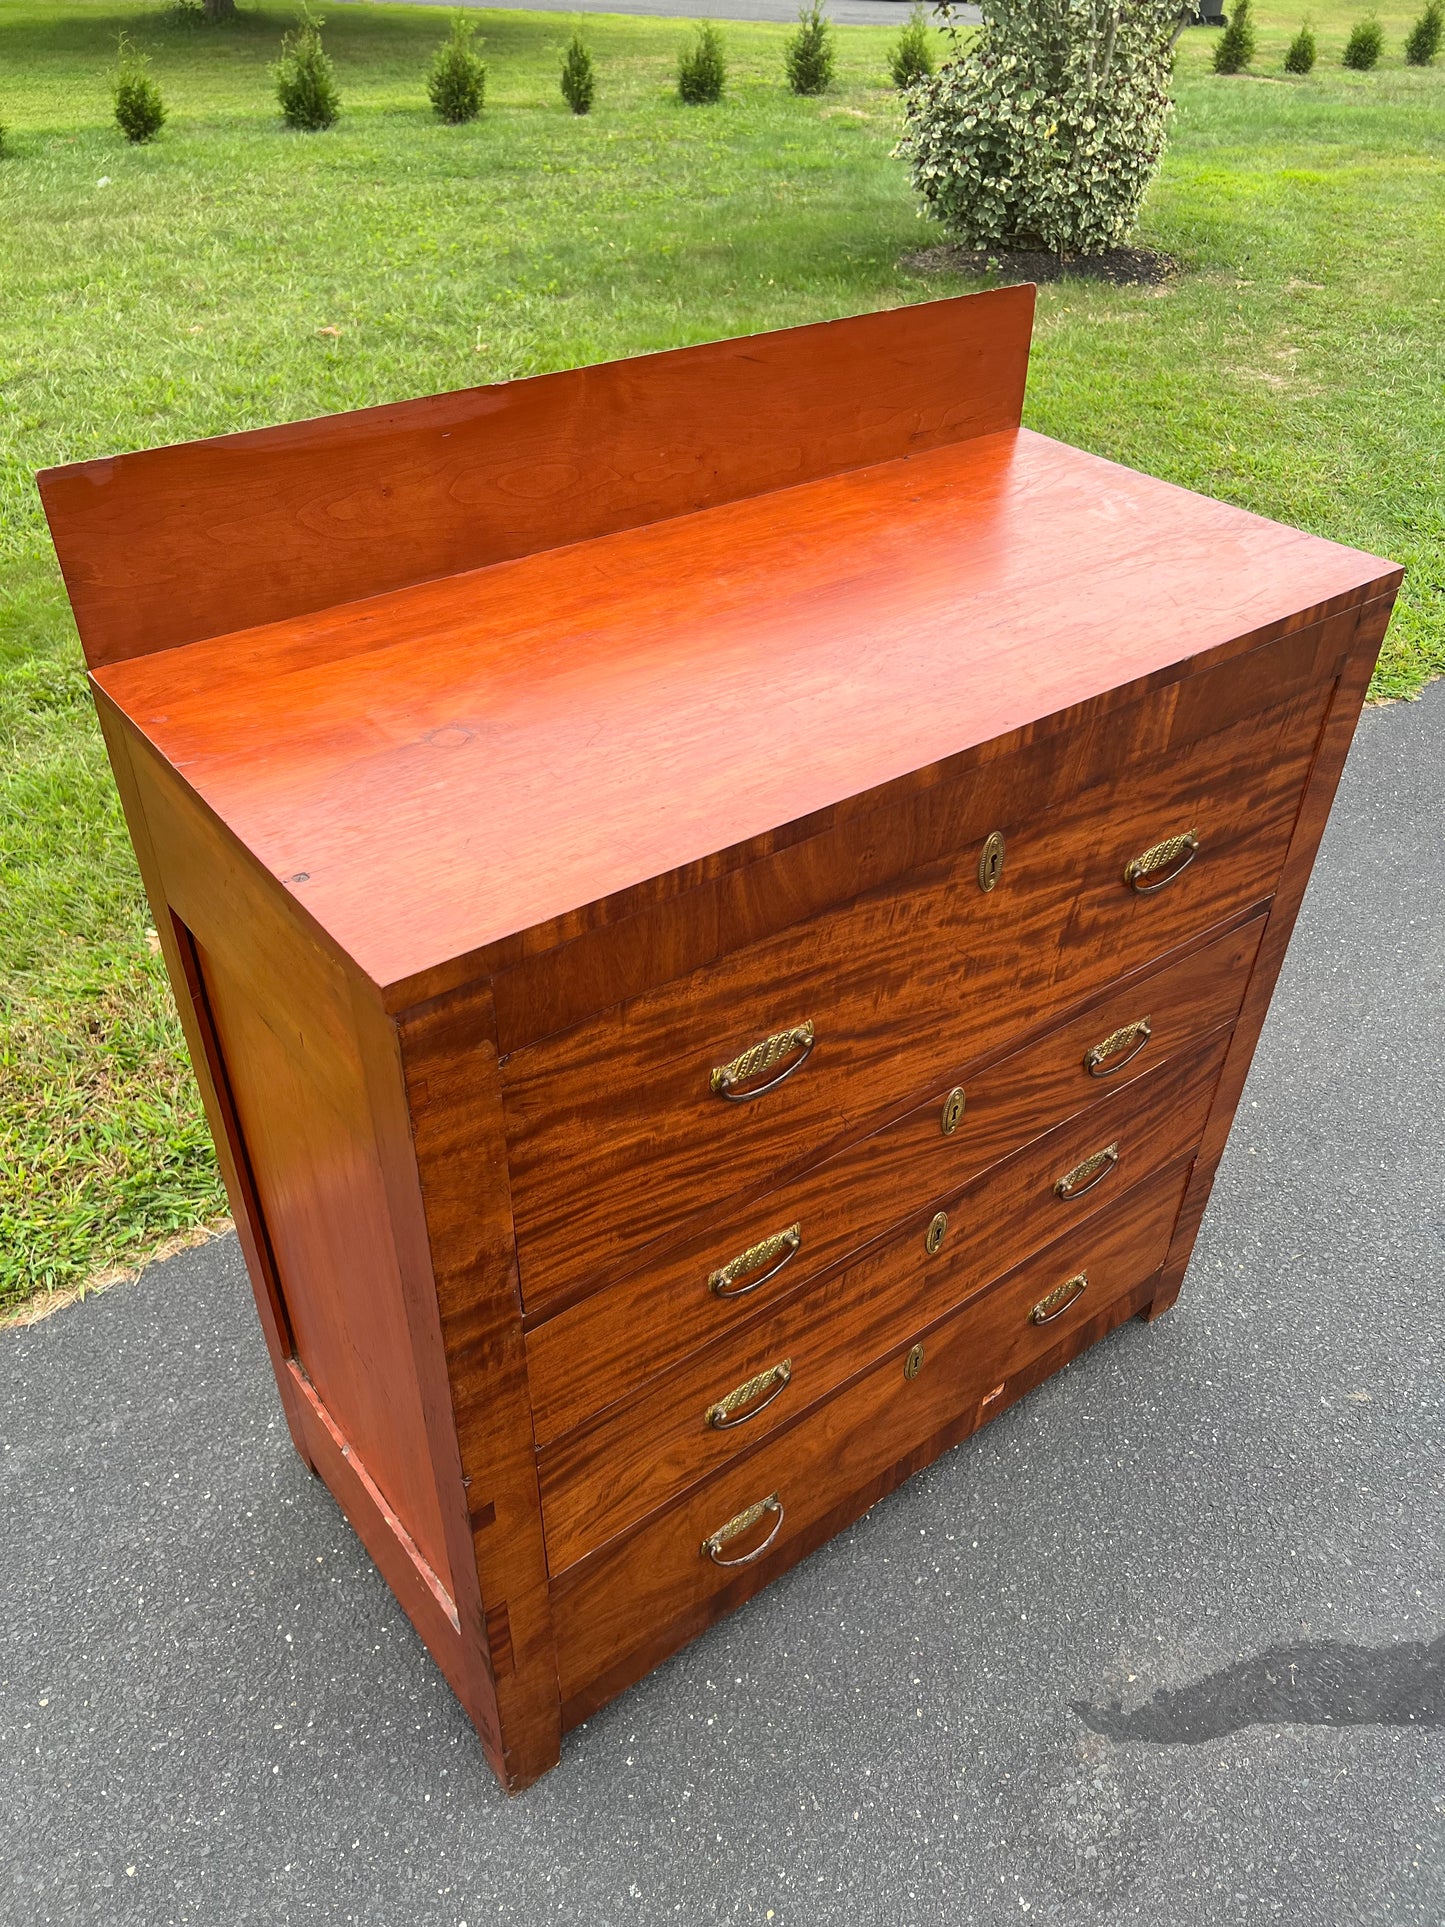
x: 310, y: 1182
x: 323, y: 1199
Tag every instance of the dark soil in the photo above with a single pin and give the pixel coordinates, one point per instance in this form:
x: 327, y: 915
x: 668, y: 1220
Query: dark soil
x: 1124, y: 267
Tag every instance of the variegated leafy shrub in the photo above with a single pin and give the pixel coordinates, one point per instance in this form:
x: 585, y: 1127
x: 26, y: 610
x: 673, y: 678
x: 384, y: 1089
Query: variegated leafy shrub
x: 1045, y: 128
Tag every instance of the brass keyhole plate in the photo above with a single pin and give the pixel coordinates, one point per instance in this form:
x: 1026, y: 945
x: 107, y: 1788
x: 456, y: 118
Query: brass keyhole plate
x: 913, y: 1364
x: 990, y: 860
x: 933, y: 1237
x: 952, y: 1111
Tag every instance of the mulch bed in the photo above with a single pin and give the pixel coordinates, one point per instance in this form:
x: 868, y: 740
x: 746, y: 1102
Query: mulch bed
x: 1123, y: 267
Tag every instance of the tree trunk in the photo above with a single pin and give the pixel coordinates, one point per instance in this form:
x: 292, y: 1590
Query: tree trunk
x: 220, y: 9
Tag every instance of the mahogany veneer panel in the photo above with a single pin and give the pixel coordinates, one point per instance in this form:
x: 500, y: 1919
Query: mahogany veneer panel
x: 848, y: 1200
x: 608, y: 1604
x: 320, y: 1190
x: 614, y: 1128
x: 644, y: 1450
x: 501, y: 764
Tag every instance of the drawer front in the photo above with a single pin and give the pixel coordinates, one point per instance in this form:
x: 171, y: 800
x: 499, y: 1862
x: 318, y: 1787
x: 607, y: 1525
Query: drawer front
x: 642, y: 1453
x: 627, y: 1596
x: 613, y: 951
x: 588, y: 1355
x: 617, y: 1136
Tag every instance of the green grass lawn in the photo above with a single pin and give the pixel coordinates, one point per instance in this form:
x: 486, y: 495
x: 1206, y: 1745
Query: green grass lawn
x: 235, y: 274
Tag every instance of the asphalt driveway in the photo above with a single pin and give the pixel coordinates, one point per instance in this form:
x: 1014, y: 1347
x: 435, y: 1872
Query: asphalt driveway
x: 847, y: 13
x: 1160, y: 1645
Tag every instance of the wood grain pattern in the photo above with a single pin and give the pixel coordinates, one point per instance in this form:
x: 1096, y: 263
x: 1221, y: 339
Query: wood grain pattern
x: 845, y: 1202
x: 641, y: 1453
x: 662, y: 1639
x: 615, y: 1135
x: 647, y: 938
x: 401, y: 1140
x: 315, y: 1027
x: 172, y: 544
x: 214, y: 887
x: 302, y: 1018
x: 179, y: 954
x: 473, y: 758
x: 449, y: 1056
x: 1347, y: 698
x: 611, y: 1603
x: 323, y: 1201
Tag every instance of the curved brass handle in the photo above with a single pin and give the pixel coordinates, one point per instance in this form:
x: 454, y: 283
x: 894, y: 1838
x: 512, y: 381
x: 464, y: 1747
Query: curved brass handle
x: 1059, y: 1299
x: 1133, y: 1036
x: 1161, y: 857
x: 1083, y: 1177
x: 735, y: 1527
x: 759, y: 1058
x: 727, y: 1412
x: 782, y: 1246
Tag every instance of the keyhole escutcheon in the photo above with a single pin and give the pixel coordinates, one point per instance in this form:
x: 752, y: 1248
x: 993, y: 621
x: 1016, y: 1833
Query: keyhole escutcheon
x: 990, y: 860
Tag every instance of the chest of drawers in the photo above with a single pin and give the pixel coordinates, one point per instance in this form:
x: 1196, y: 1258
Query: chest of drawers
x: 721, y: 906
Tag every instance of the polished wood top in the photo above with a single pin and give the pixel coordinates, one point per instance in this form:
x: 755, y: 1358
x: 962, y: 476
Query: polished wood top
x: 170, y: 545
x: 434, y: 770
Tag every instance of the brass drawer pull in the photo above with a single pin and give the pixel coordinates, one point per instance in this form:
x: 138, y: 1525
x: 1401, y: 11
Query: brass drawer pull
x: 1083, y: 1177
x: 759, y: 1058
x: 715, y: 1541
x: 774, y: 1252
x: 1129, y: 1038
x: 1059, y: 1299
x: 727, y: 1412
x: 1161, y: 857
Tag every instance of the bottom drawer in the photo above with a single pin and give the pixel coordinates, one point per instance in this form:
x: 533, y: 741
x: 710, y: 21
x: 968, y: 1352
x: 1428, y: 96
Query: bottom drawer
x: 669, y: 1577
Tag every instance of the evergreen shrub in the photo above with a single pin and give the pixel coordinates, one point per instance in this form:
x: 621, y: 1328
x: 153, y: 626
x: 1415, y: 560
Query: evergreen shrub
x: 579, y: 84
x: 1046, y: 127
x: 457, y: 83
x: 305, y: 79
x: 1423, y: 42
x: 1235, y: 49
x: 1302, y: 52
x: 1365, y: 44
x: 912, y: 57
x: 702, y: 69
x: 139, y: 110
x: 809, y: 55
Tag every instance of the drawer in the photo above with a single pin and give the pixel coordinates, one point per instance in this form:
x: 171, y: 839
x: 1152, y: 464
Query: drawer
x: 604, y: 1477
x: 661, y: 1583
x: 587, y: 1355
x: 617, y: 1135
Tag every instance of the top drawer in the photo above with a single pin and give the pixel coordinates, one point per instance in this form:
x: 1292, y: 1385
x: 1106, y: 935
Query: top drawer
x: 618, y: 1133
